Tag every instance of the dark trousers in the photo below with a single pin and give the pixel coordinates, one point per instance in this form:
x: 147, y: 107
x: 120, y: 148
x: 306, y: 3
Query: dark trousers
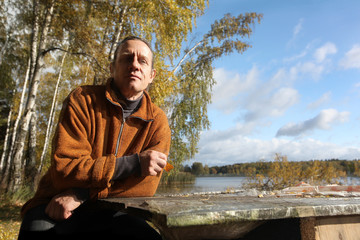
x: 85, y: 224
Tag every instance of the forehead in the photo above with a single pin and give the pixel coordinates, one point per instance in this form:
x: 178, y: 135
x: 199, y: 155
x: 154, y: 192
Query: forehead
x: 135, y: 47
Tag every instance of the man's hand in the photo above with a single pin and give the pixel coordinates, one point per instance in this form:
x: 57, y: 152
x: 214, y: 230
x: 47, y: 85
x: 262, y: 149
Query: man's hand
x: 61, y: 206
x: 152, y: 162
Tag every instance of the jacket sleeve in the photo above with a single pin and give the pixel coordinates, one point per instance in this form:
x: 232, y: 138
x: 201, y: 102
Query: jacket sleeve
x: 72, y: 163
x: 160, y: 137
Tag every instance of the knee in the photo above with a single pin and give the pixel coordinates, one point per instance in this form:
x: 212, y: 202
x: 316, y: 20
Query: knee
x: 35, y: 220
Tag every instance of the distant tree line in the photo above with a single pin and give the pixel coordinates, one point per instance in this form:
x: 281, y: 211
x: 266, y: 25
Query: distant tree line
x: 281, y: 173
x: 345, y: 167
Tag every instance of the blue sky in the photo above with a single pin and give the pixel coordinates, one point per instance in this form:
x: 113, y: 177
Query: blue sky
x: 295, y: 92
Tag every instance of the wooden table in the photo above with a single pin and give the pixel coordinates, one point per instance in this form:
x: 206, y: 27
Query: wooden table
x: 233, y: 216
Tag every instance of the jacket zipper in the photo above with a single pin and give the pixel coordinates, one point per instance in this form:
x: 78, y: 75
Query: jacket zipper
x: 122, y: 127
x: 119, y: 137
x: 121, y: 130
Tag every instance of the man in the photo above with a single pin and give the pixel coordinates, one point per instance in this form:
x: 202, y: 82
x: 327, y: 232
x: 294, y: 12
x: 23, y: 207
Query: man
x: 111, y: 141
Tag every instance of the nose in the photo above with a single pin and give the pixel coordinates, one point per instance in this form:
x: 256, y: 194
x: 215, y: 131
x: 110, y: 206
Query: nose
x: 134, y: 64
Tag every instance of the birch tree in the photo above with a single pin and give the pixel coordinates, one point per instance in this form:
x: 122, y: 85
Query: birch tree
x: 194, y: 80
x: 87, y: 33
x: 10, y: 136
x: 38, y: 44
x: 51, y: 116
x: 12, y: 73
x: 87, y: 25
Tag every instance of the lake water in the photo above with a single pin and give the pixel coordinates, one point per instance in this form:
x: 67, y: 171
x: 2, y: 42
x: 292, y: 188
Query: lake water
x: 214, y: 184
x: 204, y: 184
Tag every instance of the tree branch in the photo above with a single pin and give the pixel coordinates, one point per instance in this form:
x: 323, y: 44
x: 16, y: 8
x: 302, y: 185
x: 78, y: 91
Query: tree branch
x: 75, y: 53
x: 187, y: 54
x: 193, y: 49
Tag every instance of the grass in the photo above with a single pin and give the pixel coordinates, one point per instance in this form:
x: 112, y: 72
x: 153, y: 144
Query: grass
x: 10, y: 206
x: 178, y: 177
x: 9, y: 219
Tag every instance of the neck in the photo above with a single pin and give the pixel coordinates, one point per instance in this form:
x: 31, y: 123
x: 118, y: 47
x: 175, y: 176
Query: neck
x: 132, y: 97
x: 128, y: 94
x: 128, y: 97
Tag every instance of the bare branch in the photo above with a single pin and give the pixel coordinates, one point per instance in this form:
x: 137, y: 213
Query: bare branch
x: 90, y: 57
x: 187, y: 54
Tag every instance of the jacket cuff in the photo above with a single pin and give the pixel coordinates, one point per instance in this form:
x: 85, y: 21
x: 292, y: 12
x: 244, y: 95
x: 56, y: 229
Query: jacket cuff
x: 82, y: 194
x: 126, y: 166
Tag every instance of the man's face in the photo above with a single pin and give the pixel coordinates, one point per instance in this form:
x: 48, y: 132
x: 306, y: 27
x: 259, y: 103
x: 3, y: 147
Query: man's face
x: 132, y: 69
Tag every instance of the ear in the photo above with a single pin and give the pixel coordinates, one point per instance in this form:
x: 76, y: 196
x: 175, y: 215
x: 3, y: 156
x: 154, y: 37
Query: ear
x: 112, y: 69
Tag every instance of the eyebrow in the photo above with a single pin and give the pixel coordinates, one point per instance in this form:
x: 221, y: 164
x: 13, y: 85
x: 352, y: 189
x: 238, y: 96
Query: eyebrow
x: 128, y: 53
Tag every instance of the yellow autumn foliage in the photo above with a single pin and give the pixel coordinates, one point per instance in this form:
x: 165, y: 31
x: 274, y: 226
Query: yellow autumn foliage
x: 281, y: 174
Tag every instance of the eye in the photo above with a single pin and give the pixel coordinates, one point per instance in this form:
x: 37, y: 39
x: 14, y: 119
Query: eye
x: 126, y: 58
x: 143, y: 61
x: 129, y: 58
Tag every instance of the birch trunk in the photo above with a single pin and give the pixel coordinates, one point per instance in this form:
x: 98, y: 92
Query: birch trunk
x: 3, y: 50
x: 16, y: 178
x: 51, y: 117
x: 6, y: 142
x: 30, y: 163
x: 8, y: 150
x: 117, y: 34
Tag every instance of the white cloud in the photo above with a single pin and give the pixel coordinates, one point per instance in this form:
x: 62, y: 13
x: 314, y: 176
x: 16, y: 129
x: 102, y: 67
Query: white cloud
x: 229, y: 85
x: 295, y: 57
x: 236, y: 148
x: 323, y: 99
x: 271, y: 98
x: 352, y: 58
x: 272, y: 105
x: 298, y: 27
x: 296, y: 30
x: 315, y: 67
x: 248, y: 94
x: 310, y: 68
x: 301, y: 55
x: 322, y: 52
x: 323, y: 120
x: 252, y: 99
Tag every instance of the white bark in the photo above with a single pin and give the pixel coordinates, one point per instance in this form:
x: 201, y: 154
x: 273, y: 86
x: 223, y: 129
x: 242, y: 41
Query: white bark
x: 21, y: 104
x: 117, y: 34
x: 17, y: 171
x: 87, y: 72
x: 51, y: 116
x: 6, y: 141
x: 185, y: 56
x: 30, y: 166
x: 7, y: 155
x: 3, y: 49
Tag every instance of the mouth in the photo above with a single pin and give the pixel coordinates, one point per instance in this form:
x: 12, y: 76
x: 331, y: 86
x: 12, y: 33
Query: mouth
x: 135, y: 77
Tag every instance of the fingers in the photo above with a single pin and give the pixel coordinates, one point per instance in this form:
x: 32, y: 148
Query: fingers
x: 61, y: 206
x: 56, y: 211
x: 162, y: 156
x: 152, y: 162
x: 159, y: 165
x: 156, y: 165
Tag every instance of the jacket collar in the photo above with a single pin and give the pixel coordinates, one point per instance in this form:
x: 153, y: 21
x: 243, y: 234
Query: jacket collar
x: 144, y: 112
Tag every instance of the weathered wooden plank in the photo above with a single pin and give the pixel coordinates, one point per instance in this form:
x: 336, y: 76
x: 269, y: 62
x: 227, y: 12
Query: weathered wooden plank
x: 338, y: 228
x: 330, y: 228
x: 229, y: 216
x: 234, y: 230
x: 190, y: 211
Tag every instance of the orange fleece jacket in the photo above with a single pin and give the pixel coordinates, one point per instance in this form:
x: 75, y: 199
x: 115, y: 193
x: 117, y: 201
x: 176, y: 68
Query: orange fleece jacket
x: 84, y: 146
